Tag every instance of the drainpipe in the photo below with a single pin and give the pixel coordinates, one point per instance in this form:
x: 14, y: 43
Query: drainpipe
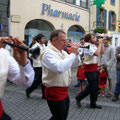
x: 90, y: 10
x: 8, y: 17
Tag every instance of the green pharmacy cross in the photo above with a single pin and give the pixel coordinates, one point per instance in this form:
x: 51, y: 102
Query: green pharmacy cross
x: 98, y: 3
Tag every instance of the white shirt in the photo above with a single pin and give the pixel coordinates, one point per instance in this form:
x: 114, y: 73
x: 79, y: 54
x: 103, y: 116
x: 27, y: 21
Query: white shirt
x: 22, y: 76
x: 89, y: 57
x: 50, y: 60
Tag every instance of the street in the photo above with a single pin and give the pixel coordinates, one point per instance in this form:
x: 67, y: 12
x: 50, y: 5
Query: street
x: 19, y: 107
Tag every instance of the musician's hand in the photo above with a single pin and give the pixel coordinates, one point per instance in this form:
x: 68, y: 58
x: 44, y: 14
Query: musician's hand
x: 100, y: 41
x: 19, y: 55
x: 74, y: 48
x: 2, y: 39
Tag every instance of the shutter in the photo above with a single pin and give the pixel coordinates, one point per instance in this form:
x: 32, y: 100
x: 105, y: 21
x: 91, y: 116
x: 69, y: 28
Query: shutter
x: 105, y: 18
x: 98, y: 17
x: 111, y: 2
x: 115, y: 21
x: 109, y: 20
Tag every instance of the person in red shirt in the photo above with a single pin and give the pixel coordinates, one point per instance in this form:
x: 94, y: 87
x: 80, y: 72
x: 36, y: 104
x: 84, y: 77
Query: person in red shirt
x: 102, y: 80
x: 82, y: 80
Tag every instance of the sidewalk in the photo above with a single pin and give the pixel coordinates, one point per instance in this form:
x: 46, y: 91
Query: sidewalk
x: 19, y: 107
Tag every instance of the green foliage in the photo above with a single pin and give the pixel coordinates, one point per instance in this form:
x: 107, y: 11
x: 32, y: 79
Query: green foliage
x: 100, y: 30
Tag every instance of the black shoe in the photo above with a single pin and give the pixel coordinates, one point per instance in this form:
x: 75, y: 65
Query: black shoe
x: 76, y: 85
x: 94, y: 106
x: 43, y: 97
x: 78, y: 103
x: 97, y: 106
x: 27, y: 94
x: 116, y: 97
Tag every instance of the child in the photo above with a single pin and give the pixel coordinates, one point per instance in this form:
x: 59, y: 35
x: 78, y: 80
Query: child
x: 102, y: 80
x: 82, y: 81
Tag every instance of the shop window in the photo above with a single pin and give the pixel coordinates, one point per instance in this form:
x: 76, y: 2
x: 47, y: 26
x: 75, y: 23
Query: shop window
x: 74, y: 33
x: 36, y: 27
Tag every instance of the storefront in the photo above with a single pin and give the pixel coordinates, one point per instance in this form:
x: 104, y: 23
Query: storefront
x: 29, y: 18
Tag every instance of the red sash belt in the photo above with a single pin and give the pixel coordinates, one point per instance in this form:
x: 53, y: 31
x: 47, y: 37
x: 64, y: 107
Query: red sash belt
x: 1, y: 109
x: 56, y: 93
x: 91, y: 67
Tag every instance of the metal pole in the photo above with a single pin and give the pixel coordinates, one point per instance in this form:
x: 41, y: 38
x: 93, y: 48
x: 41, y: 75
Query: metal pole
x: 90, y: 7
x: 8, y: 15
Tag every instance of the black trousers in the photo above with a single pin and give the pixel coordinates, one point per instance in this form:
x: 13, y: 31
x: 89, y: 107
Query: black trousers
x: 59, y: 109
x: 91, y: 88
x: 5, y: 117
x: 37, y: 81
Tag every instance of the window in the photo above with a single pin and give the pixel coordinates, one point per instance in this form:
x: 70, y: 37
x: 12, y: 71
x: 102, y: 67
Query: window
x: 101, y: 17
x: 78, y: 2
x: 84, y: 3
x: 70, y: 1
x: 35, y: 27
x: 112, y: 20
x: 112, y: 2
x: 81, y: 3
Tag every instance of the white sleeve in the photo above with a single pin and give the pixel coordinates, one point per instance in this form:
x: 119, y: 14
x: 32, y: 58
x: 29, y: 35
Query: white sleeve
x: 52, y: 62
x: 22, y: 76
x: 90, y: 51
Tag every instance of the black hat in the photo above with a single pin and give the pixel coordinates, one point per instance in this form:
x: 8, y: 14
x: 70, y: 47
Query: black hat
x: 107, y: 38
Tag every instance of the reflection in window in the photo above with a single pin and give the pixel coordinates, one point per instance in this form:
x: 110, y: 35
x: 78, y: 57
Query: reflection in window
x: 74, y: 33
x: 36, y: 27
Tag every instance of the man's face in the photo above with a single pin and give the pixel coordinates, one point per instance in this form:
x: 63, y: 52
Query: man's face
x: 106, y: 42
x: 92, y: 39
x: 82, y: 42
x: 42, y: 40
x: 60, y: 41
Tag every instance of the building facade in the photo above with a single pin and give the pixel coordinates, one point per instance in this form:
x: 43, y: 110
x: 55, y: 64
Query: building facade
x: 107, y: 16
x: 4, y: 17
x: 31, y: 17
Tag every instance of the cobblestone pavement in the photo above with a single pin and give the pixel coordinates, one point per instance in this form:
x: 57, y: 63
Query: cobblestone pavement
x: 19, y: 107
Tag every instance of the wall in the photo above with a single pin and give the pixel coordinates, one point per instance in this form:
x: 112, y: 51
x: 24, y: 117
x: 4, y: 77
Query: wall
x: 4, y: 17
x: 27, y: 10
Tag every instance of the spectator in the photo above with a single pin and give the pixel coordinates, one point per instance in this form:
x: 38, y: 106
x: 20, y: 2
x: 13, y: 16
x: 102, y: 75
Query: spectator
x: 102, y: 80
x: 117, y: 87
x: 82, y: 81
x: 80, y: 56
x: 108, y: 60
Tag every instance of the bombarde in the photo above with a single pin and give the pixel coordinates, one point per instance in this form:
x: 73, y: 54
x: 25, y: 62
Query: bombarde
x: 35, y: 52
x: 87, y: 47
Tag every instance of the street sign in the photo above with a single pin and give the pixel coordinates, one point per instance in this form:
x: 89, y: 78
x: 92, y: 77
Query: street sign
x: 98, y: 3
x: 0, y: 26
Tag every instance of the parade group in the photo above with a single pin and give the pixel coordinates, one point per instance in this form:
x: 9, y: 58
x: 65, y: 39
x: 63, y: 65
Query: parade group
x: 92, y: 56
